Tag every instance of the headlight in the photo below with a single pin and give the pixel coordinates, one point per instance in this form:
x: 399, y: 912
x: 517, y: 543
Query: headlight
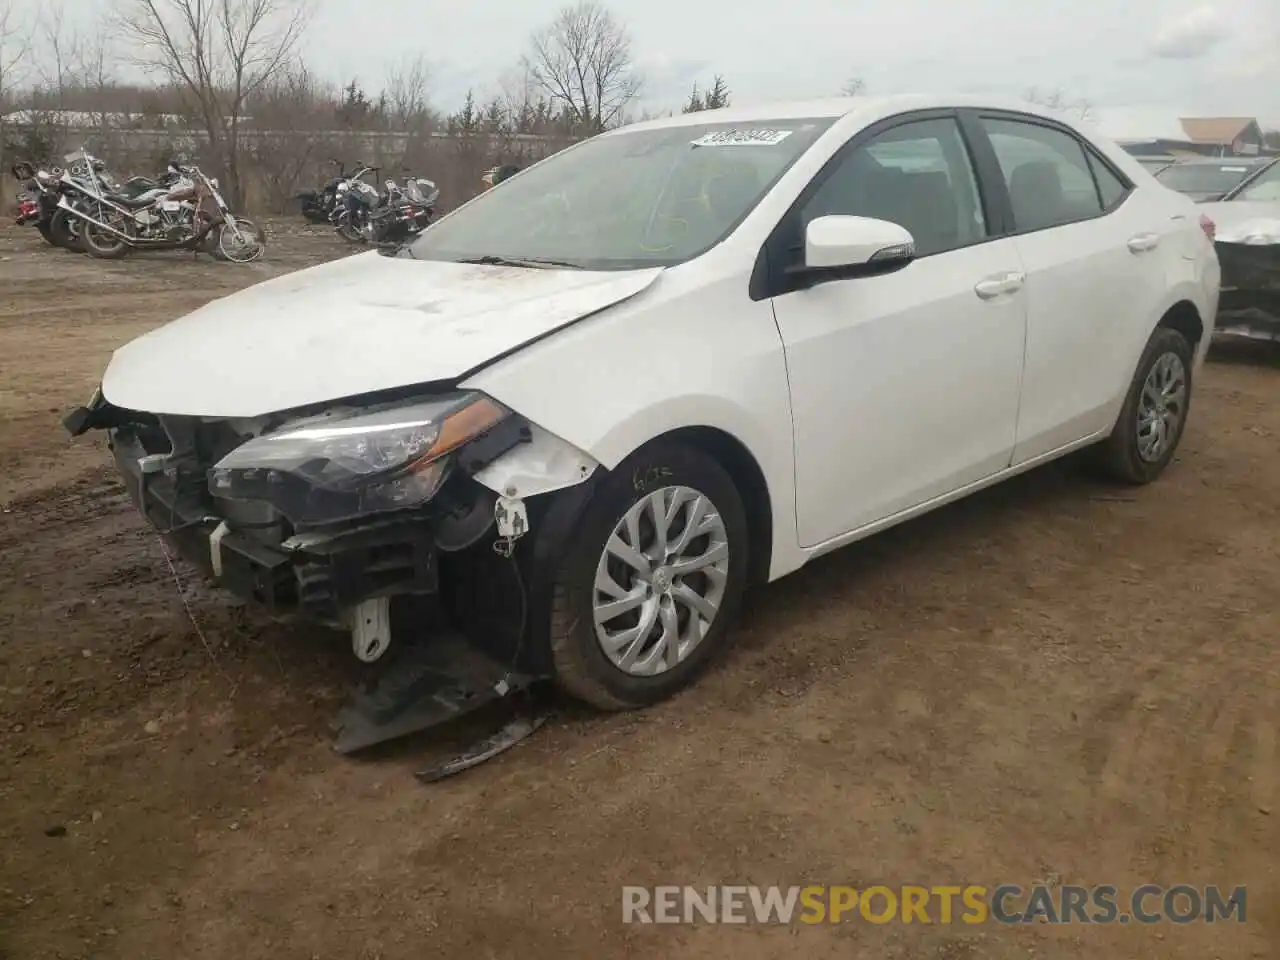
x: 341, y: 466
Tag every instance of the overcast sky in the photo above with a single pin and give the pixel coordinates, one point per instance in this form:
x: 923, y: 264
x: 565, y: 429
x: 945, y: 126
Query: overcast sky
x: 1149, y: 57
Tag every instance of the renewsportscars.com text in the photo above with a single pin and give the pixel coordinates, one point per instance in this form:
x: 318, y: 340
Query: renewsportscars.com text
x: 970, y: 904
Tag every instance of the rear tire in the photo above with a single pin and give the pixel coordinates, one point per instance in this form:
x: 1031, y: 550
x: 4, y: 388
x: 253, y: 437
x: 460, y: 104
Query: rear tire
x: 103, y: 245
x: 583, y: 668
x: 1154, y: 416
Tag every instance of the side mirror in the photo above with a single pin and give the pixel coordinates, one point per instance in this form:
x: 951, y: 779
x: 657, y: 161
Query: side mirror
x: 854, y: 245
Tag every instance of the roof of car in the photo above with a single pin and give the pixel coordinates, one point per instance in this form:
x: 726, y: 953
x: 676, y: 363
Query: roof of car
x: 834, y: 107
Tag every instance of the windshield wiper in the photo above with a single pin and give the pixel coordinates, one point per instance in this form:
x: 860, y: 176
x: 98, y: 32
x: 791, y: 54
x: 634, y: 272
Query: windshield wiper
x: 534, y: 262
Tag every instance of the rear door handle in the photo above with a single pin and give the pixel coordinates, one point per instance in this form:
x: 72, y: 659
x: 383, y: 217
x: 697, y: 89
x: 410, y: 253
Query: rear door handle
x: 992, y: 287
x: 1143, y: 242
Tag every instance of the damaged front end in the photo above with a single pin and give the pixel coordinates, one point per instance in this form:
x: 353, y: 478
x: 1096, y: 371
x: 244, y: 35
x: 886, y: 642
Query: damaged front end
x: 357, y: 515
x: 1249, y: 306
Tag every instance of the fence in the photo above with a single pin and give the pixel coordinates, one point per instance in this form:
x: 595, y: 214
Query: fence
x: 276, y: 164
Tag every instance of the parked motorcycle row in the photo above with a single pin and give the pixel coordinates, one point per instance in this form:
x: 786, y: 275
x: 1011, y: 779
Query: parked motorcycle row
x: 85, y: 209
x: 361, y: 213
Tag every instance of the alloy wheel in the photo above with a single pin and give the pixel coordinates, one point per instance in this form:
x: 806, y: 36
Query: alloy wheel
x: 660, y: 581
x: 1161, y: 406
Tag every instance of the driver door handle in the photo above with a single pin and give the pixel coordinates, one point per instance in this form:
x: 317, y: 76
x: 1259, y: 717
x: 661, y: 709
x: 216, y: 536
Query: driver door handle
x: 992, y: 287
x: 1143, y: 242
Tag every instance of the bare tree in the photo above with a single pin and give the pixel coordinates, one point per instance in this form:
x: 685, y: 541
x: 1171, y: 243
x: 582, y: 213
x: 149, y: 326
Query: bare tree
x: 582, y: 61
x: 853, y: 86
x: 1057, y: 99
x: 15, y: 43
x: 407, y: 93
x: 221, y: 53
x: 293, y: 109
x: 520, y: 95
x: 59, y: 50
x: 93, y: 70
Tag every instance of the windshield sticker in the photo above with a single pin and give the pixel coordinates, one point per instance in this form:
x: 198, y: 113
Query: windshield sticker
x: 739, y: 138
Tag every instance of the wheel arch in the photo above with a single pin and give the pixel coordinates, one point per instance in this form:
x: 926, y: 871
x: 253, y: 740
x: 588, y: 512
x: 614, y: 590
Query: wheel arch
x: 749, y: 479
x: 1184, y: 316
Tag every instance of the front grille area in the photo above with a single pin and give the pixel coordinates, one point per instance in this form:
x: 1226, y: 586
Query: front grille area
x: 195, y: 446
x: 333, y: 571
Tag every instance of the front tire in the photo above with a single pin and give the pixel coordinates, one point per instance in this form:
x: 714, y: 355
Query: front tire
x: 250, y: 245
x: 646, y: 595
x: 1154, y: 416
x: 347, y: 230
x: 60, y: 231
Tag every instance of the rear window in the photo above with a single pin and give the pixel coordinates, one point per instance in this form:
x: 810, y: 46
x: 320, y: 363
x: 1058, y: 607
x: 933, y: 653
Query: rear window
x: 1203, y: 177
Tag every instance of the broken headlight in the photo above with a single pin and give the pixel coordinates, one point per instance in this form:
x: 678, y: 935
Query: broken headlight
x: 345, y: 465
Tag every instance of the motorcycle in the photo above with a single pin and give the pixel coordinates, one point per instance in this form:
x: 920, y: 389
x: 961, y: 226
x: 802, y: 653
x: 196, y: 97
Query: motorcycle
x: 391, y: 217
x: 191, y: 214
x: 355, y: 198
x: 407, y: 212
x: 38, y: 204
x: 318, y: 205
x: 81, y: 186
x: 28, y: 198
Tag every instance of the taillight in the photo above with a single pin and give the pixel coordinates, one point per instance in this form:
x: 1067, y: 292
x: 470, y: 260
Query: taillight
x: 1209, y: 227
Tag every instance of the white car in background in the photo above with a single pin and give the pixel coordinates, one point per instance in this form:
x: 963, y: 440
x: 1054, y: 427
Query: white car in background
x: 666, y: 363
x: 1247, y: 237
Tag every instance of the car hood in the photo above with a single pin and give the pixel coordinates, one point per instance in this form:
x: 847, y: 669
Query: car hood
x: 357, y: 325
x: 1240, y: 217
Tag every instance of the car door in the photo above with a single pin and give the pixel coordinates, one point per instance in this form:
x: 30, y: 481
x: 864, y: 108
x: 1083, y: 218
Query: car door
x: 1094, y: 250
x: 904, y: 385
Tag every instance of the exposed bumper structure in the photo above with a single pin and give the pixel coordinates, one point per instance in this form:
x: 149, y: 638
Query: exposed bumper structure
x: 347, y: 574
x: 317, y: 577
x: 1249, y: 305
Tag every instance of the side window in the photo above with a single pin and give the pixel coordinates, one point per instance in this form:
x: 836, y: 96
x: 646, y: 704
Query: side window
x: 1110, y: 187
x: 1047, y: 174
x: 917, y: 175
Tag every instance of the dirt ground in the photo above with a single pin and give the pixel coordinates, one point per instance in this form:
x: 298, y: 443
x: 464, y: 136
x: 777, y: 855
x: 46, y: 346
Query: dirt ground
x: 1053, y: 681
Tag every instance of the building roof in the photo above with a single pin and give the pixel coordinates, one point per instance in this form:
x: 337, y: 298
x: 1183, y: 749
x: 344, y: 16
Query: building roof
x: 1221, y: 130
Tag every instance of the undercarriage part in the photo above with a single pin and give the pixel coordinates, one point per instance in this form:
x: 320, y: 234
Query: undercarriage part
x: 429, y: 682
x: 461, y: 522
x: 513, y: 523
x: 514, y: 731
x: 371, y: 628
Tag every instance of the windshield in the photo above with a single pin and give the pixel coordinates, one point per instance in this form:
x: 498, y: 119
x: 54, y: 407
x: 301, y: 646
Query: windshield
x: 626, y: 200
x: 1265, y: 187
x: 1202, y: 177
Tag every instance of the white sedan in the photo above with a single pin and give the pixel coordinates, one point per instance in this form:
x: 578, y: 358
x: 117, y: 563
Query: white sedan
x: 591, y: 406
